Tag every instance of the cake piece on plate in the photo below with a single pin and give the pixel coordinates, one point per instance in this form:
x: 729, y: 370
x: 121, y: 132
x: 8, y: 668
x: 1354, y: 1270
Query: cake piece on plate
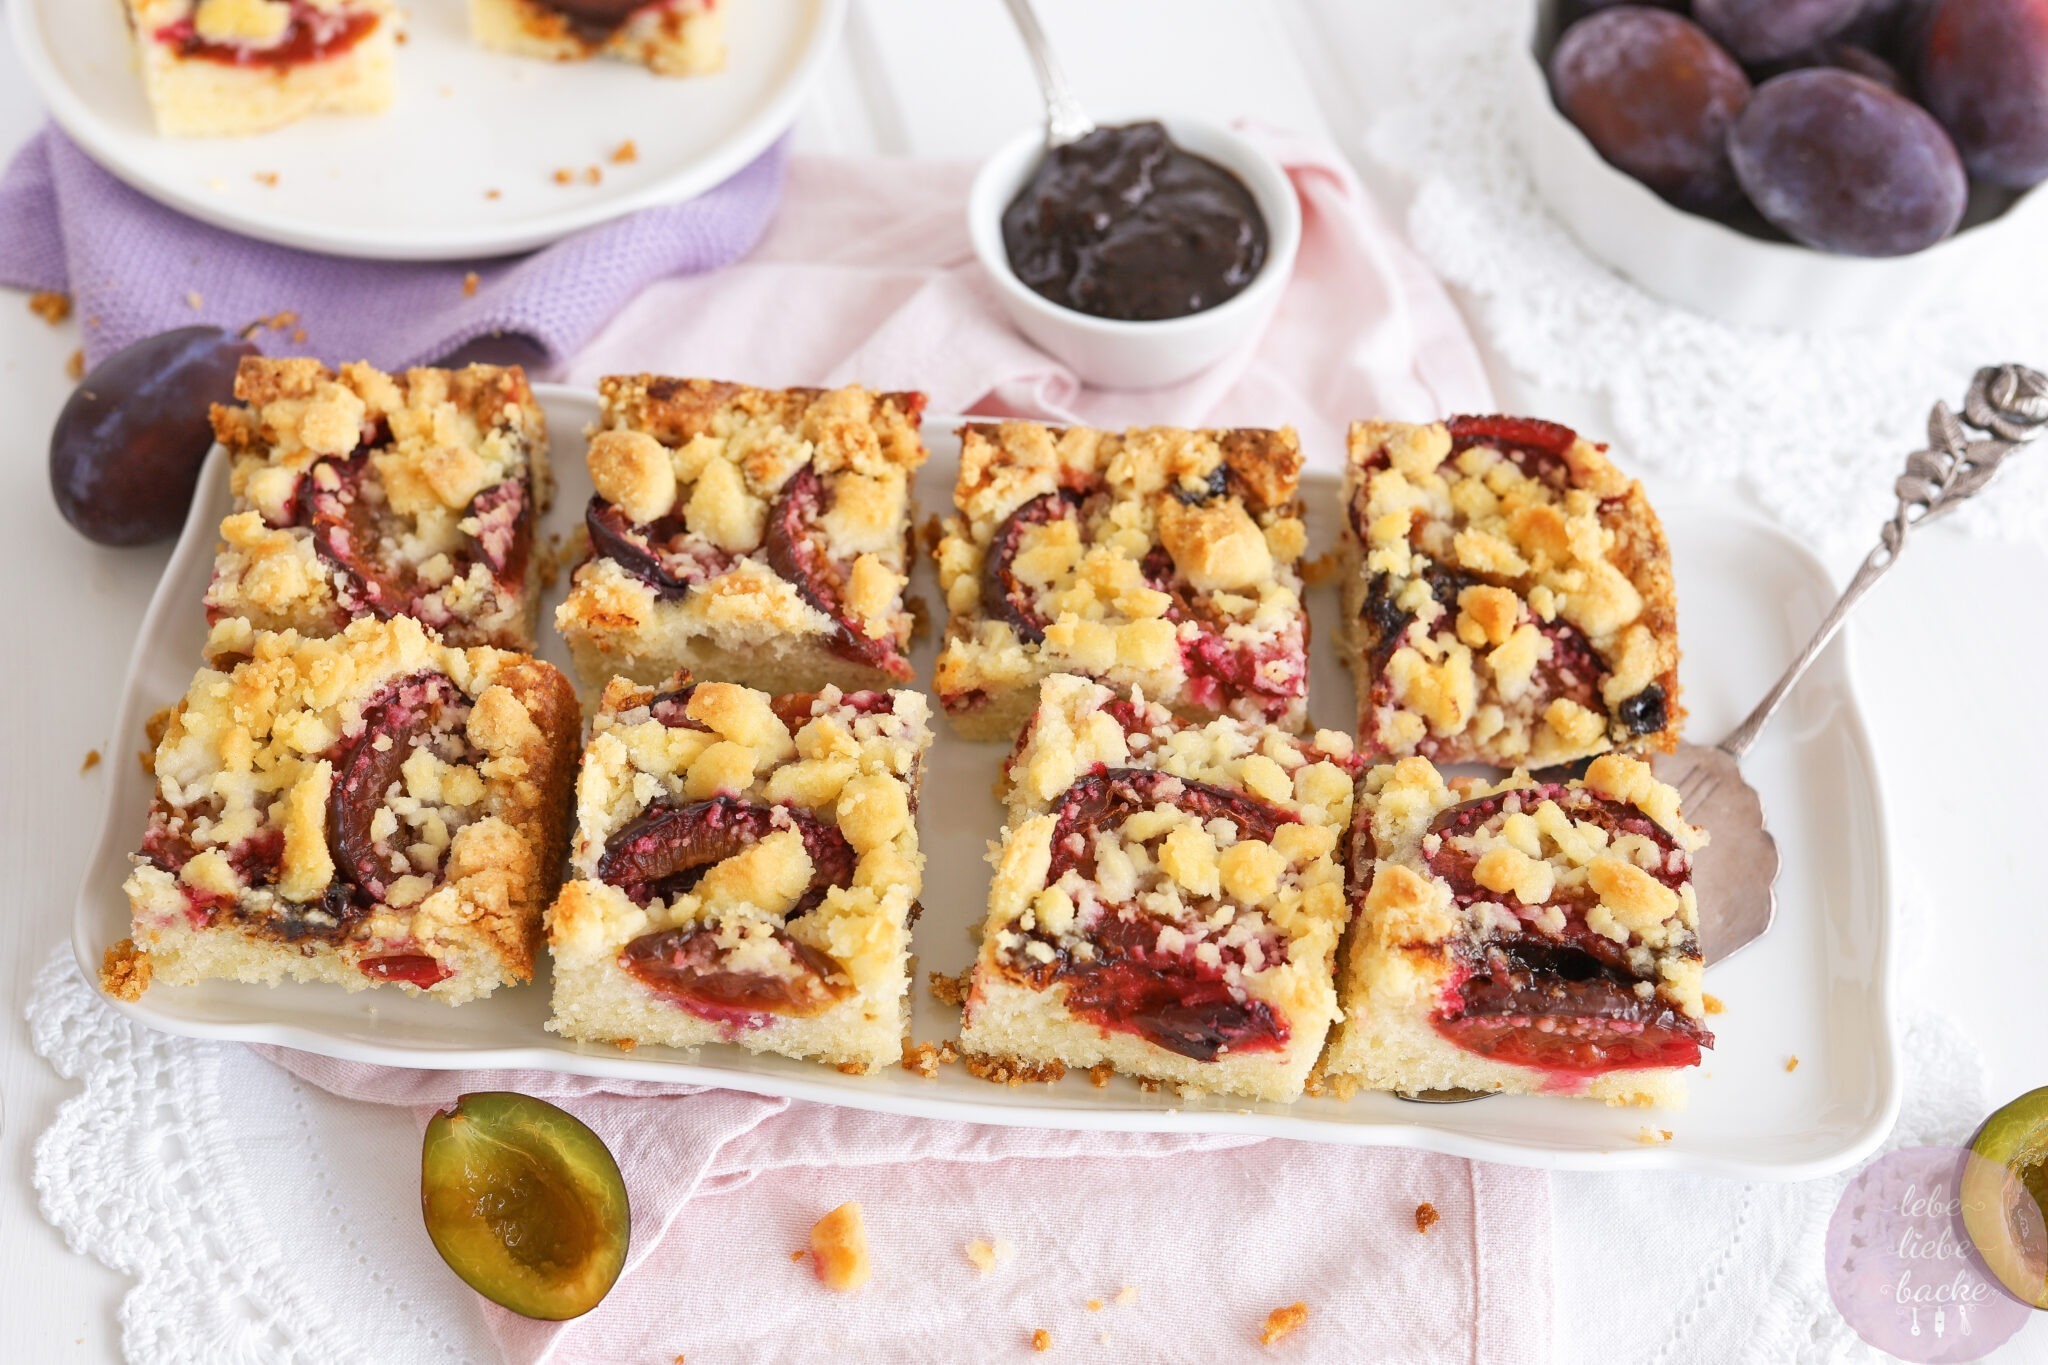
x: 759, y: 536
x: 215, y: 68
x: 1168, y: 896
x: 1159, y: 559
x: 745, y: 870
x: 671, y: 37
x: 1508, y: 595
x: 366, y: 494
x: 371, y: 808
x: 1525, y: 936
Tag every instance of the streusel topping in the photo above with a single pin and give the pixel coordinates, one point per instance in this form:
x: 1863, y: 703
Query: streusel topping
x: 1520, y: 597
x: 1159, y: 558
x: 774, y: 512
x: 824, y: 781
x: 358, y: 492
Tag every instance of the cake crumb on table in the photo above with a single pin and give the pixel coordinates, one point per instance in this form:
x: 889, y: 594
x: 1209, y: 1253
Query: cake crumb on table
x: 1653, y: 1137
x: 1095, y: 1305
x: 50, y: 305
x: 987, y: 1255
x: 1426, y: 1216
x: 798, y: 1254
x: 92, y: 760
x: 564, y: 176
x: 1792, y: 1063
x: 593, y: 174
x: 267, y: 179
x: 469, y: 284
x: 625, y: 1044
x: 1127, y: 1296
x: 74, y: 366
x: 194, y: 300
x: 1283, y: 1321
x: 494, y: 194
x: 1099, y: 1074
x: 1041, y: 1340
x: 839, y: 1249
x: 851, y: 1068
x: 950, y: 990
x: 1712, y: 1004
x: 626, y: 154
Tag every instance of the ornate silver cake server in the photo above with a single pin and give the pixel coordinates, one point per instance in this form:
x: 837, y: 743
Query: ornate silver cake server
x: 1735, y: 876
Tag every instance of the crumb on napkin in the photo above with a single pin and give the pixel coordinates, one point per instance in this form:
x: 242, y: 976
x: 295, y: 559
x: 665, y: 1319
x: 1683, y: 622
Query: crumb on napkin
x: 1426, y: 1216
x: 839, y: 1249
x: 50, y: 305
x: 1283, y: 1321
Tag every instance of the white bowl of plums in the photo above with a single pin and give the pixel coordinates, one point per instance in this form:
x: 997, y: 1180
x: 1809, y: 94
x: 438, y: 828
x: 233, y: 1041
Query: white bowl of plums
x: 1141, y: 254
x: 1811, y: 164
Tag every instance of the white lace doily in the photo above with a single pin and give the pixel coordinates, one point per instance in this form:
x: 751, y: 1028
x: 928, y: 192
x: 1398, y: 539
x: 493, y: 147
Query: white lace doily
x: 1817, y: 426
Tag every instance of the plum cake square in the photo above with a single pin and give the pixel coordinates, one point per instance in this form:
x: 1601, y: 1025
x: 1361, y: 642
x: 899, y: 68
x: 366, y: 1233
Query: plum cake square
x: 369, y: 808
x: 1158, y: 559
x: 745, y: 870
x: 1168, y: 896
x: 364, y: 494
x: 1508, y: 596
x: 669, y: 37
x: 1524, y: 936
x: 222, y: 68
x: 759, y: 536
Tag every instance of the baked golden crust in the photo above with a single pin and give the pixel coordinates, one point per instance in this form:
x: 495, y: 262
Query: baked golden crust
x: 1228, y: 873
x: 1157, y: 558
x: 752, y: 535
x: 1463, y: 889
x: 1509, y: 597
x: 196, y: 96
x: 811, y: 905
x: 361, y: 493
x: 254, y: 863
x: 679, y: 38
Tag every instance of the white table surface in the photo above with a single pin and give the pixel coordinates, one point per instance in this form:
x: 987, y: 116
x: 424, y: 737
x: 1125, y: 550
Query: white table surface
x: 1949, y: 654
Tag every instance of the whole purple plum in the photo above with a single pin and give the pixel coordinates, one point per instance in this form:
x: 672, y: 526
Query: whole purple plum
x: 1768, y: 30
x: 1984, y: 74
x: 1656, y: 97
x: 1840, y: 163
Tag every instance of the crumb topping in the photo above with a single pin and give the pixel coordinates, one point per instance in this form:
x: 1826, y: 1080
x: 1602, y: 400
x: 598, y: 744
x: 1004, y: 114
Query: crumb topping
x: 1426, y: 1217
x: 839, y: 1249
x: 1514, y: 598
x: 819, y: 773
x: 1249, y: 891
x: 1283, y: 1322
x: 1159, y: 558
x: 361, y: 493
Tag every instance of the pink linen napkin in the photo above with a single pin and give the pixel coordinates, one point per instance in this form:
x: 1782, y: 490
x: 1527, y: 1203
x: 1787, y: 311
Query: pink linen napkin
x: 867, y: 276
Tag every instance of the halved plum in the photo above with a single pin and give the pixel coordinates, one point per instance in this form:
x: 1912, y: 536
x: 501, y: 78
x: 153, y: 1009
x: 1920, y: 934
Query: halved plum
x: 1171, y: 1000
x: 1112, y: 795
x: 688, y: 967
x: 525, y: 1203
x: 2004, y: 1196
x: 668, y: 847
x: 1002, y: 597
x: 795, y: 551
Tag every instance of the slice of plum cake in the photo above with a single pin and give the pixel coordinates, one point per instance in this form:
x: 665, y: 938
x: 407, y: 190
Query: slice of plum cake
x: 359, y: 493
x: 757, y: 536
x: 1155, y: 558
x: 370, y: 808
x: 1508, y: 598
x: 745, y: 870
x: 1168, y: 896
x: 668, y: 37
x: 229, y: 68
x: 1522, y: 936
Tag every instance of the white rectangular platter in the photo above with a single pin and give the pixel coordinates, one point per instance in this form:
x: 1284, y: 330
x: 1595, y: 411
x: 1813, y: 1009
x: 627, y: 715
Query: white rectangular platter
x: 1817, y: 988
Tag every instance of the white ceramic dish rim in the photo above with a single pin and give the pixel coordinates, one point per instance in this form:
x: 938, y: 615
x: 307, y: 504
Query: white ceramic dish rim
x: 116, y: 837
x: 422, y: 243
x: 1004, y: 172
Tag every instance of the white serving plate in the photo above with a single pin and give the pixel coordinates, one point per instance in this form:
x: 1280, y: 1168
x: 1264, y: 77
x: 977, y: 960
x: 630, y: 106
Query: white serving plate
x: 1721, y: 272
x: 411, y: 183
x: 1817, y: 987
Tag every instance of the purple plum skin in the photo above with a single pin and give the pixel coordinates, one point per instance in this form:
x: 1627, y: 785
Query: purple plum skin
x: 1842, y: 164
x: 1656, y: 97
x: 1984, y: 74
x: 1771, y: 30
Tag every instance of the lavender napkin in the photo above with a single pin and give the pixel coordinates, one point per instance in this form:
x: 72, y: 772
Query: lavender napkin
x: 135, y: 268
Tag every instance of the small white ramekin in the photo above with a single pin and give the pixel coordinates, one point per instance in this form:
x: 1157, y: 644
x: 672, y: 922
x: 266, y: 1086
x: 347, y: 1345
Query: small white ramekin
x: 1140, y: 355
x: 1721, y: 272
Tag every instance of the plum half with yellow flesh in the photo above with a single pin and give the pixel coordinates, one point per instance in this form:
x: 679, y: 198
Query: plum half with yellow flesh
x: 2005, y: 1196
x: 525, y: 1203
